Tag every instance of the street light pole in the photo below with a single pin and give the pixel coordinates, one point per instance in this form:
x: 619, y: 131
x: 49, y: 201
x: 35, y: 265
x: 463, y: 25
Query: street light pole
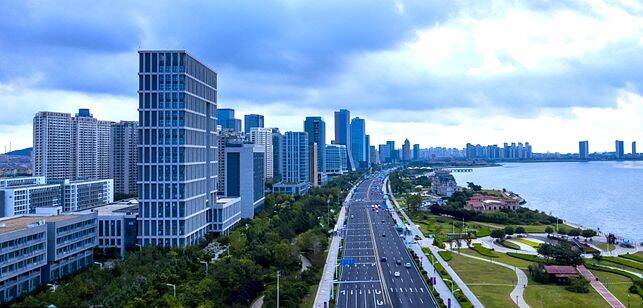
x: 278, y: 289
x: 173, y: 288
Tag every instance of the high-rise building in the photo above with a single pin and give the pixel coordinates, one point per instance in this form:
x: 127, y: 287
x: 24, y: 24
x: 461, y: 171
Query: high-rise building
x: 52, y: 145
x: 225, y: 137
x: 295, y: 177
x: 393, y: 153
x: 226, y: 119
x: 343, y: 134
x: 178, y: 148
x: 263, y: 136
x: 358, y: 141
x: 315, y: 127
x: 245, y: 176
x: 67, y: 147
x: 374, y: 155
x: 384, y: 153
x: 336, y: 159
x: 583, y: 149
x: 633, y: 147
x: 620, y: 150
x: 124, y: 144
x: 277, y: 153
x: 251, y: 121
x: 406, y: 150
x: 367, y: 149
x: 416, y: 152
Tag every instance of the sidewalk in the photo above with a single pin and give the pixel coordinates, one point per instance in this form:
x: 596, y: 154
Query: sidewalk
x: 441, y: 286
x: 322, y: 298
x: 600, y: 288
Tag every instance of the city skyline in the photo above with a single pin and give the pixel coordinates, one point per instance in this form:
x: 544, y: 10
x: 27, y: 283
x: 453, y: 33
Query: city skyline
x: 559, y: 83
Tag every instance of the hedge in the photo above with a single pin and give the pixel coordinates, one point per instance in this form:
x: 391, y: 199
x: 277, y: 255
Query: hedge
x: 446, y: 255
x: 633, y: 257
x: 612, y: 270
x: 510, y: 245
x: 484, y: 251
x: 526, y: 257
x: 625, y: 262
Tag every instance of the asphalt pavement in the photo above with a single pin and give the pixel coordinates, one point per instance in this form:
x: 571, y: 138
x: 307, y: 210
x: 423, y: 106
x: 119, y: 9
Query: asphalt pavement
x: 375, y: 268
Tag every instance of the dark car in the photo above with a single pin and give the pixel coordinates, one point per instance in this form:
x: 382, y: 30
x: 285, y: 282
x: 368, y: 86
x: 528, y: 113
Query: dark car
x: 383, y: 234
x: 383, y: 259
x: 398, y: 262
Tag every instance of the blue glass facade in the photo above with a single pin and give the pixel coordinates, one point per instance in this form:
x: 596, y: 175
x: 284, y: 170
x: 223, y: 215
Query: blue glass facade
x: 177, y: 148
x: 358, y: 140
x: 252, y: 120
x: 226, y: 119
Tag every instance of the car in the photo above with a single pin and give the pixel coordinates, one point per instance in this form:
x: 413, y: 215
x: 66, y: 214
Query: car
x: 398, y: 262
x: 382, y: 220
x: 383, y: 259
x: 396, y: 274
x: 407, y: 265
x: 383, y: 234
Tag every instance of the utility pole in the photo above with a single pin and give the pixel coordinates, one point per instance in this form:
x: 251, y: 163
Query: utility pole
x: 278, y: 289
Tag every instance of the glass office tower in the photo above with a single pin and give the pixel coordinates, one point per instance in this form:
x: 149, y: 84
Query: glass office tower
x: 177, y: 148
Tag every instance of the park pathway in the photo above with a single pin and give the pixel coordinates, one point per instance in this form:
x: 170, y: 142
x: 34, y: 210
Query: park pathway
x: 600, y: 288
x: 517, y: 294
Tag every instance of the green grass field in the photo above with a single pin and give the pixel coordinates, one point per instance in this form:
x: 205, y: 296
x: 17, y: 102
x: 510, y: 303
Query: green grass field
x: 527, y: 242
x: 633, y: 256
x: 618, y: 285
x: 615, y: 265
x: 605, y: 247
x: 510, y: 245
x: 490, y: 283
x: 552, y: 295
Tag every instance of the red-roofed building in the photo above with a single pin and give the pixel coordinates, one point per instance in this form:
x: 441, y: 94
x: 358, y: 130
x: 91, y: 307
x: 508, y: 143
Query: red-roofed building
x: 561, y: 272
x: 484, y: 203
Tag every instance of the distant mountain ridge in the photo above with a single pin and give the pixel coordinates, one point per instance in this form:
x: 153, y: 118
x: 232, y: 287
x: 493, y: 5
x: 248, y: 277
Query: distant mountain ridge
x: 21, y: 152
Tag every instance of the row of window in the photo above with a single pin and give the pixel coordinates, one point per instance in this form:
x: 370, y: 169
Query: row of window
x: 75, y: 235
x: 21, y: 252
x: 175, y: 62
x: 79, y: 224
x: 76, y: 245
x: 22, y: 264
x: 22, y: 240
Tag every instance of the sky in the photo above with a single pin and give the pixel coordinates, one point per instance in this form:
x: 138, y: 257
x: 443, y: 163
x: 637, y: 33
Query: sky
x: 440, y: 73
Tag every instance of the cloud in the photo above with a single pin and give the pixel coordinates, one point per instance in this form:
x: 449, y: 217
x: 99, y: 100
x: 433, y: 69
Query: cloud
x: 447, y: 62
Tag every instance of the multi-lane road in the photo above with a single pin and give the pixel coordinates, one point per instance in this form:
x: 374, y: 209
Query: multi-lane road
x: 376, y: 269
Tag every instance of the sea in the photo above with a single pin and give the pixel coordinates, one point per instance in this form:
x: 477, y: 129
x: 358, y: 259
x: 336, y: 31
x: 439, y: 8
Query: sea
x: 605, y: 195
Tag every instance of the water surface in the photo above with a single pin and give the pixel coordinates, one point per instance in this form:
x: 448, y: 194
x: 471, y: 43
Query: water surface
x: 603, y: 195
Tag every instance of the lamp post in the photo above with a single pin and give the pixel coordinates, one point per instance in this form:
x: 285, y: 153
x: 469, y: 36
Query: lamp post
x: 278, y: 289
x: 173, y: 288
x: 206, y: 266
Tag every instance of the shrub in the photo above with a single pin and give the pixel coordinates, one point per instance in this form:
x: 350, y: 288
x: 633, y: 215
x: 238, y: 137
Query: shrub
x: 498, y: 234
x: 578, y: 285
x: 482, y: 232
x: 549, y: 230
x: 484, y: 251
x: 510, y: 245
x: 526, y: 257
x: 537, y: 272
x: 520, y: 230
x: 446, y: 255
x: 437, y: 242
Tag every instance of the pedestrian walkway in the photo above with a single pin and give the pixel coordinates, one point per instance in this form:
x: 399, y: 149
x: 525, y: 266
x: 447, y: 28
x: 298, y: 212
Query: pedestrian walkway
x: 517, y: 294
x: 600, y: 288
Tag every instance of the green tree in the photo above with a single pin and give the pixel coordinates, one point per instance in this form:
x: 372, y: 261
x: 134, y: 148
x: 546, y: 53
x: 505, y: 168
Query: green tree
x: 549, y: 230
x: 520, y: 230
x: 509, y: 230
x: 413, y: 202
x: 587, y: 233
x: 497, y: 234
x: 574, y: 232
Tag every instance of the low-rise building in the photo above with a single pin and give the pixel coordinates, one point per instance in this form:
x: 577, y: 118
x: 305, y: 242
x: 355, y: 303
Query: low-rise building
x: 38, y: 249
x: 443, y: 183
x: 117, y: 226
x: 485, y: 203
x: 82, y: 195
x: 226, y: 213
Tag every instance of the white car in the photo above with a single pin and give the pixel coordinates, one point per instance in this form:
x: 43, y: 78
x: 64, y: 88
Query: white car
x: 396, y: 274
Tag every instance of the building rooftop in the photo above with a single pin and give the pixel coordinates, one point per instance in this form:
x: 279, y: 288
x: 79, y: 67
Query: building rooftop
x: 11, y: 224
x: 122, y: 207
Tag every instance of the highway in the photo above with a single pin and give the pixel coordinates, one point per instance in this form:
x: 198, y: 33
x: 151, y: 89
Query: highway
x: 373, y: 252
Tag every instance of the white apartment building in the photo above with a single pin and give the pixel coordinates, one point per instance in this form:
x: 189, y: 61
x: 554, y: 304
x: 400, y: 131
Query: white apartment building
x: 263, y: 136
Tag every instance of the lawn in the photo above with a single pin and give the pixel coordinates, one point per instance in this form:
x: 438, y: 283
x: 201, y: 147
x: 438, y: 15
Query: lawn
x: 491, y: 283
x: 618, y: 285
x: 526, y: 242
x: 615, y: 265
x: 633, y: 256
x: 625, y: 262
x: 510, y: 245
x: 552, y: 295
x: 604, y: 246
